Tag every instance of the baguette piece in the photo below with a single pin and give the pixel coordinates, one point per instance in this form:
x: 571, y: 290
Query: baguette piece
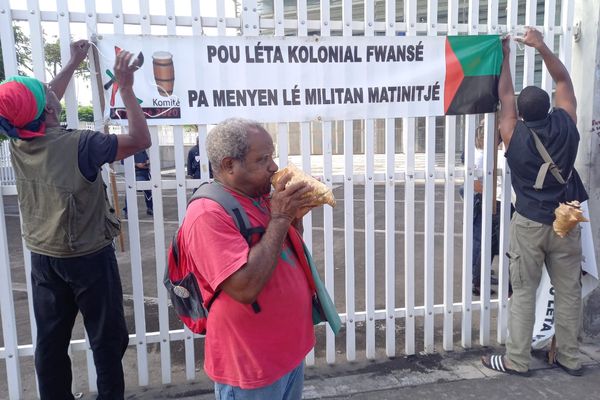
x: 320, y: 193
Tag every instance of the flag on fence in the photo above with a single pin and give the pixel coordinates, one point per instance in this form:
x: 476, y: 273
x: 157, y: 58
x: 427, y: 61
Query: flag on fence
x: 473, y: 66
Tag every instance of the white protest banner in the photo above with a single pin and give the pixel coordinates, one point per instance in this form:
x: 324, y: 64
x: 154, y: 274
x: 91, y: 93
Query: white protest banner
x: 194, y: 80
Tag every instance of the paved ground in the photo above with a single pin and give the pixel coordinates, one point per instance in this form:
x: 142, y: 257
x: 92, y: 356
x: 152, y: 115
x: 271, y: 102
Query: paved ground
x: 455, y: 375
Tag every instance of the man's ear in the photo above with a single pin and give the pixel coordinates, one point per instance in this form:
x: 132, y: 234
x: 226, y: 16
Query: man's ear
x: 227, y: 165
x: 48, y: 109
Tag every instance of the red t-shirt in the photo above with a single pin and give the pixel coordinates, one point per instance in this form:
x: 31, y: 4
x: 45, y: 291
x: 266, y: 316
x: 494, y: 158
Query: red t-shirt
x: 244, y: 348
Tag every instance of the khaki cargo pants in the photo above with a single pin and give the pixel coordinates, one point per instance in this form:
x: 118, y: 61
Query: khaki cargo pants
x: 532, y: 244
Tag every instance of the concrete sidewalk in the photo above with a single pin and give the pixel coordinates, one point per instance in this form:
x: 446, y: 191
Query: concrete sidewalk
x: 452, y: 375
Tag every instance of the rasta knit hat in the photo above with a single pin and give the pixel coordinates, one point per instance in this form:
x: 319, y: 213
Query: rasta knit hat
x: 22, y: 102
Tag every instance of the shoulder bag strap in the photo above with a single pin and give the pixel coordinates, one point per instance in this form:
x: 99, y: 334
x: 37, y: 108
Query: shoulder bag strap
x: 547, y: 165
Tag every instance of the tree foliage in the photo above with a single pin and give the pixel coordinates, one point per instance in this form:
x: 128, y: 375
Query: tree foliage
x: 51, y: 56
x: 23, y: 52
x: 84, y: 113
x: 54, y: 62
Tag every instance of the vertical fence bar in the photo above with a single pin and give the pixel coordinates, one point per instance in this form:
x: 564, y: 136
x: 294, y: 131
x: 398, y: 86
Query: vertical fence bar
x: 409, y: 235
x: 197, y: 30
x: 305, y: 134
x: 369, y: 133
x: 64, y: 34
x: 566, y: 22
x: 328, y: 252
x: 90, y: 20
x: 467, y: 234
x: 429, y: 232
x: 549, y: 17
x: 408, y: 125
x: 429, y: 227
x: 503, y: 275
x: 529, y: 61
x: 117, y: 11
x: 390, y: 209
x: 492, y: 17
x: 160, y: 256
x: 36, y: 39
x: 511, y: 18
x: 349, y: 209
x: 91, y: 28
x: 370, y: 238
x: 449, y: 195
x: 196, y: 18
x: 7, y: 311
x: 137, y: 281
x: 165, y: 350
x: 190, y: 361
x: 283, y: 144
x: 488, y: 200
x: 307, y: 220
x: 282, y: 127
x: 278, y: 17
x: 221, y: 23
x: 349, y: 240
x: 9, y: 57
x: 467, y: 276
x: 39, y: 71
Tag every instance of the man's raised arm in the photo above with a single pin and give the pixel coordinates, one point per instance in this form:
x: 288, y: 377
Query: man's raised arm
x: 565, y: 95
x: 79, y: 50
x: 138, y: 137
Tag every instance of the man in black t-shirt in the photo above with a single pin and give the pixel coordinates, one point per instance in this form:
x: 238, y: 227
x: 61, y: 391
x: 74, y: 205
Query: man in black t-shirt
x: 193, y: 162
x: 142, y: 173
x: 539, y: 189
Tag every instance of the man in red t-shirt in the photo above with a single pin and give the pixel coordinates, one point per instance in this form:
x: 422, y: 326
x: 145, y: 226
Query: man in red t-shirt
x: 259, y: 328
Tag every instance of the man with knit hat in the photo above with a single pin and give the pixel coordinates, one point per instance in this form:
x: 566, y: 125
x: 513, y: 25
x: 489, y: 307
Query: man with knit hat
x: 68, y: 224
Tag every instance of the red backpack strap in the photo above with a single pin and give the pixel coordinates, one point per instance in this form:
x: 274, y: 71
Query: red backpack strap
x: 296, y: 240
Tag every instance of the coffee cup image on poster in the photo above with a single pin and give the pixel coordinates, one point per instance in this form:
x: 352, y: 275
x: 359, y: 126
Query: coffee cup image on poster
x: 164, y: 72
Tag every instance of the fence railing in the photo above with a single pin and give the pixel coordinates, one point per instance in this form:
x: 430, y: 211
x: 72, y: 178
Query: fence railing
x: 396, y: 255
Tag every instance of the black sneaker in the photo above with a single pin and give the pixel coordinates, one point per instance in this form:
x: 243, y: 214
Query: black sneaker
x: 149, y: 211
x: 570, y: 371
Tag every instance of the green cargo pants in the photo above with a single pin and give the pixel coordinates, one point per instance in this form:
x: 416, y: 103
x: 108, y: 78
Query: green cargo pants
x: 531, y: 244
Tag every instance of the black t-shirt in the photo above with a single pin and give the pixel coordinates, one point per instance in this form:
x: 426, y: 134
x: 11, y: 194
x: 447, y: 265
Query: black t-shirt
x: 560, y: 137
x: 95, y: 150
x: 140, y: 158
x: 193, y: 166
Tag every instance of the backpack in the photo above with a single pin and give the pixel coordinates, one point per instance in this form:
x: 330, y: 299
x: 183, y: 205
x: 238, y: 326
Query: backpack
x: 179, y: 278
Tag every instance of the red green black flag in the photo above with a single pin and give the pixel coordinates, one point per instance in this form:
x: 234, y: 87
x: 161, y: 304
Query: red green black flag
x: 473, y: 66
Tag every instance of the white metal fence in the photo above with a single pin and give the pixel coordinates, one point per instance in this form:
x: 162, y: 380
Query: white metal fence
x: 437, y: 312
